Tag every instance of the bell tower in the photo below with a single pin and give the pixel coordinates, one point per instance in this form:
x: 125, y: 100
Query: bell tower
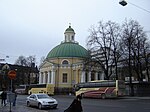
x: 69, y: 34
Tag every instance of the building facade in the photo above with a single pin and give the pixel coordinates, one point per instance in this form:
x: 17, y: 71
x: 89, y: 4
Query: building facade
x: 24, y: 75
x: 64, y: 65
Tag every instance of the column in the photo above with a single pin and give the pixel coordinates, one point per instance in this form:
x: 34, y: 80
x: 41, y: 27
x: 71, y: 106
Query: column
x: 89, y: 76
x: 44, y: 77
x: 83, y: 76
x: 40, y: 78
x: 96, y: 76
x: 53, y: 77
x: 49, y: 77
x: 102, y: 76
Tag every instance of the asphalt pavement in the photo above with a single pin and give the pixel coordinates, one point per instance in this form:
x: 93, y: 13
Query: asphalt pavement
x: 23, y: 108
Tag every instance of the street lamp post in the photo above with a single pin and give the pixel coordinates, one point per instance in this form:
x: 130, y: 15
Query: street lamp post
x: 123, y: 2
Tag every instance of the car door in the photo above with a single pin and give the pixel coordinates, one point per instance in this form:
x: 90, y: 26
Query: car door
x: 33, y: 100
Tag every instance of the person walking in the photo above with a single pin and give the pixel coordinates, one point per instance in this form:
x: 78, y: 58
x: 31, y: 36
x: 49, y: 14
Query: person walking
x: 4, y: 97
x: 15, y: 96
x: 75, y: 105
x: 14, y: 102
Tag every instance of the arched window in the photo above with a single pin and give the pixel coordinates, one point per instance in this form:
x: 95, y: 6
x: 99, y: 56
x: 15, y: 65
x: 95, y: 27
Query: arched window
x: 72, y: 37
x: 65, y: 62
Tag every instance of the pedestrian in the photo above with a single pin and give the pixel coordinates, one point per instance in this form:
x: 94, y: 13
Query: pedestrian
x: 15, y: 96
x: 14, y: 102
x: 75, y: 105
x: 4, y: 97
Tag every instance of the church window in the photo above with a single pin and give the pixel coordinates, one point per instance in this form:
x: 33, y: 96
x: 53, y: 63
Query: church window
x: 99, y: 77
x: 92, y: 76
x: 86, y: 77
x: 72, y: 37
x: 65, y: 62
x: 64, y: 80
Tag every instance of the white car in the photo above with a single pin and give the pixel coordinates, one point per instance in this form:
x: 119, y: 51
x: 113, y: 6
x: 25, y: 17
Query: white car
x: 41, y: 101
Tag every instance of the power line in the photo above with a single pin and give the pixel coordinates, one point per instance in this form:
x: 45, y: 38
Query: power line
x: 124, y: 3
x: 139, y: 7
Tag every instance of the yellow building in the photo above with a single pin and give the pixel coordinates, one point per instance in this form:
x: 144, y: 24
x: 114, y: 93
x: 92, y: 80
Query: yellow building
x: 63, y: 66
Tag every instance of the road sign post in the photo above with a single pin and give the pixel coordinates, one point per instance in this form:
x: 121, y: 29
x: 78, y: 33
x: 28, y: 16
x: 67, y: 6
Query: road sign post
x: 11, y: 75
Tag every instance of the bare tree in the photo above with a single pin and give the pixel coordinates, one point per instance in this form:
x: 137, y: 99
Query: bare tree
x: 138, y: 52
x: 115, y: 39
x: 132, y: 42
x: 128, y: 38
x: 146, y: 56
x: 42, y: 59
x: 102, y: 43
x: 21, y: 61
x: 28, y: 62
x: 31, y: 60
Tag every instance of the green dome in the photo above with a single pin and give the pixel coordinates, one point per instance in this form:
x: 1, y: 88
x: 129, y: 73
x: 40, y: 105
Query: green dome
x: 68, y: 49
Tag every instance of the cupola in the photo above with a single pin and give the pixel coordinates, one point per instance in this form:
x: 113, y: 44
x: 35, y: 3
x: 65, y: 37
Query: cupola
x: 69, y: 35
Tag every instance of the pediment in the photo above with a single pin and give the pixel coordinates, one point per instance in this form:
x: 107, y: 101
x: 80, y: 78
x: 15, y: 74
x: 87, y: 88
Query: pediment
x: 46, y: 64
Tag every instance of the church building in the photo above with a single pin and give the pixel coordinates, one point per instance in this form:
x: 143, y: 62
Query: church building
x: 64, y: 64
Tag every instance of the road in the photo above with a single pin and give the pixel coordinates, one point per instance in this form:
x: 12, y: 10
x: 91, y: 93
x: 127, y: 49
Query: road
x: 89, y: 105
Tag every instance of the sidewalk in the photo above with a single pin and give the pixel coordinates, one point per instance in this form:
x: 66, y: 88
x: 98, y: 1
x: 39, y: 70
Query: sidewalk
x: 13, y: 108
x: 17, y: 108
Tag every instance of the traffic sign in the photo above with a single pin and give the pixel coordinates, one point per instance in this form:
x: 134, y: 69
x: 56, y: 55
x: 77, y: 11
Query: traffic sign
x: 12, y: 74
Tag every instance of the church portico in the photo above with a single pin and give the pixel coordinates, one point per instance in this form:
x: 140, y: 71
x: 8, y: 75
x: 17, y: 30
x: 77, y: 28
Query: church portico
x: 47, y: 77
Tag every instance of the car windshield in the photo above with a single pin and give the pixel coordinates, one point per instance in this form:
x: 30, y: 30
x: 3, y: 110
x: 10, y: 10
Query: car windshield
x: 42, y: 96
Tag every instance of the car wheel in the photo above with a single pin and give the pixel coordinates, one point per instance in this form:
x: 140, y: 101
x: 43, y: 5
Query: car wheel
x: 28, y: 104
x: 103, y: 96
x: 55, y: 107
x: 40, y: 106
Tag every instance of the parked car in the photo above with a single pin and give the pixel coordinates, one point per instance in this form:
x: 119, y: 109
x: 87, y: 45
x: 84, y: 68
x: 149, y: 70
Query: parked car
x: 41, y: 101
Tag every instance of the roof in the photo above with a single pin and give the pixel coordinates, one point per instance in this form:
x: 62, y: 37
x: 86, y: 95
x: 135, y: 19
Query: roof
x: 69, y: 29
x: 68, y: 49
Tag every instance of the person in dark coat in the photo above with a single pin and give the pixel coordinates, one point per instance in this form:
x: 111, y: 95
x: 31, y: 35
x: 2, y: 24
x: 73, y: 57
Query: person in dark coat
x: 75, y: 105
x: 14, y: 102
x: 13, y: 90
x: 4, y: 97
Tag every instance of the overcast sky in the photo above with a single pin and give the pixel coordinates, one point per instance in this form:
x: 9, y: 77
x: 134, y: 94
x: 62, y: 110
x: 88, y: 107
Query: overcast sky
x: 34, y: 27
